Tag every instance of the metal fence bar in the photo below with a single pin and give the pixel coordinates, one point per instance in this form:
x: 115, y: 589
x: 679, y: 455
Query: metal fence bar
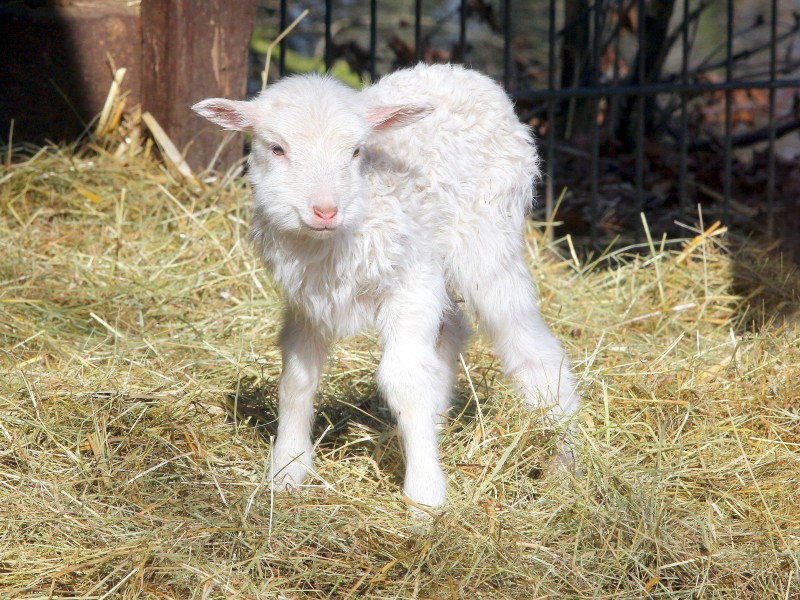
x: 328, y: 34
x: 551, y: 117
x: 594, y: 168
x: 462, y: 31
x: 418, y: 30
x: 773, y: 35
x: 652, y: 89
x: 614, y: 101
x: 684, y: 135
x: 373, y: 39
x: 640, y: 106
x: 284, y: 22
x: 507, y: 44
x: 728, y: 150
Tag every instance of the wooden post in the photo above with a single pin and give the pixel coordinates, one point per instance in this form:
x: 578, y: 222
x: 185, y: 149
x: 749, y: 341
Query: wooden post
x: 191, y: 50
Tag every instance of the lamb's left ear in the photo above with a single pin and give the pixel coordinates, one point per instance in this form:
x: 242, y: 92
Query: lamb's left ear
x: 228, y: 114
x: 381, y: 118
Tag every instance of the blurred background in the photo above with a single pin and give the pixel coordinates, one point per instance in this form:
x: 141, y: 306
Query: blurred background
x: 664, y: 108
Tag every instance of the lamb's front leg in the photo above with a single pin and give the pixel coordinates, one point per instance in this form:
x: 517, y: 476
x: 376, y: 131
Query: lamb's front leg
x: 415, y: 381
x: 303, y: 349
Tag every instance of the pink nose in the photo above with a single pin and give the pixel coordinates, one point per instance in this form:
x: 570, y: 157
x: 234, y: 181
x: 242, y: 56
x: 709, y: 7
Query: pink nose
x: 325, y: 213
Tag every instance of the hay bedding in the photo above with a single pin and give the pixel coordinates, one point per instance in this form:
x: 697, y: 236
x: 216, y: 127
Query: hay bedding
x: 137, y: 396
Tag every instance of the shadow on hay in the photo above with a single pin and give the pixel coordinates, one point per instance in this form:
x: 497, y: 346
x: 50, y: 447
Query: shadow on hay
x: 765, y: 275
x: 354, y: 416
x: 765, y: 267
x: 41, y: 87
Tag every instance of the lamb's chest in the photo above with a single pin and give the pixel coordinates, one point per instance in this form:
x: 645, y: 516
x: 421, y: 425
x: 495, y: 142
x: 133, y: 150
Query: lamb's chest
x: 339, y: 303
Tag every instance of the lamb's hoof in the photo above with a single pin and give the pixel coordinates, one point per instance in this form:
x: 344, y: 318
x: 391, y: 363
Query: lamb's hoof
x: 422, y: 517
x: 290, y: 471
x: 423, y: 511
x: 562, y: 463
x: 284, y: 485
x: 425, y: 492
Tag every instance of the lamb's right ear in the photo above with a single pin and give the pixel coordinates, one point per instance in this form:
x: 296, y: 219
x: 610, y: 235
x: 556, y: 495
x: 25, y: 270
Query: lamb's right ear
x: 228, y: 114
x: 389, y: 117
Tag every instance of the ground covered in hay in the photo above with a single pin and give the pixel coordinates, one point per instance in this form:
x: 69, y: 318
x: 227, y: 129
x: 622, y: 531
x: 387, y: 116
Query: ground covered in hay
x: 137, y: 400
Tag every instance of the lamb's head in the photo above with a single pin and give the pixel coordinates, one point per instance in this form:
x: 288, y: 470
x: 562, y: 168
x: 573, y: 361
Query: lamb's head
x: 307, y: 161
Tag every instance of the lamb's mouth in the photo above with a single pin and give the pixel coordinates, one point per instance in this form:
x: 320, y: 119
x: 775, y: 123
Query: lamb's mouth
x: 320, y: 232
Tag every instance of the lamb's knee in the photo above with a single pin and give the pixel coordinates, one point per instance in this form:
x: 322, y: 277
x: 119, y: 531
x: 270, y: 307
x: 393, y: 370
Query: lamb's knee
x: 414, y: 379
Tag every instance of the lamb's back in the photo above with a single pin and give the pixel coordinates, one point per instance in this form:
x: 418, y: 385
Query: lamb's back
x: 472, y: 149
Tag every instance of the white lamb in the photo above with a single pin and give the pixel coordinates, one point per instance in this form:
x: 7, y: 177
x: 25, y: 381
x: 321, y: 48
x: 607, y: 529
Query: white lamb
x: 385, y: 209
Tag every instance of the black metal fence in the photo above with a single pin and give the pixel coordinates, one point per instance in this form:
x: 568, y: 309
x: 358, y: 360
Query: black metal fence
x: 616, y: 88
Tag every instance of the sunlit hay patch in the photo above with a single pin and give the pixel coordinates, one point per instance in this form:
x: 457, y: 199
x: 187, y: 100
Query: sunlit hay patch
x: 138, y: 379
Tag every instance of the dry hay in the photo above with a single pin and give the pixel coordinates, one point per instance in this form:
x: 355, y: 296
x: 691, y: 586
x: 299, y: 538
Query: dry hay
x: 135, y: 320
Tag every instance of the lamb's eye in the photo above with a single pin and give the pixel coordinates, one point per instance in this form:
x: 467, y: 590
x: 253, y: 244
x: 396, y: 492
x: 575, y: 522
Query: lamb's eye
x: 356, y: 152
x: 277, y: 151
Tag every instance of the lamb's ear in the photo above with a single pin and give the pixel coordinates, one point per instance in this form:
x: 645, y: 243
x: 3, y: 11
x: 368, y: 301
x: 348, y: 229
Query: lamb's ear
x: 381, y: 118
x: 228, y: 114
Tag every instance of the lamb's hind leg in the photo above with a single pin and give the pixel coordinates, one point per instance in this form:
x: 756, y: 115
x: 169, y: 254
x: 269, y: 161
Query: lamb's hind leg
x: 498, y: 287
